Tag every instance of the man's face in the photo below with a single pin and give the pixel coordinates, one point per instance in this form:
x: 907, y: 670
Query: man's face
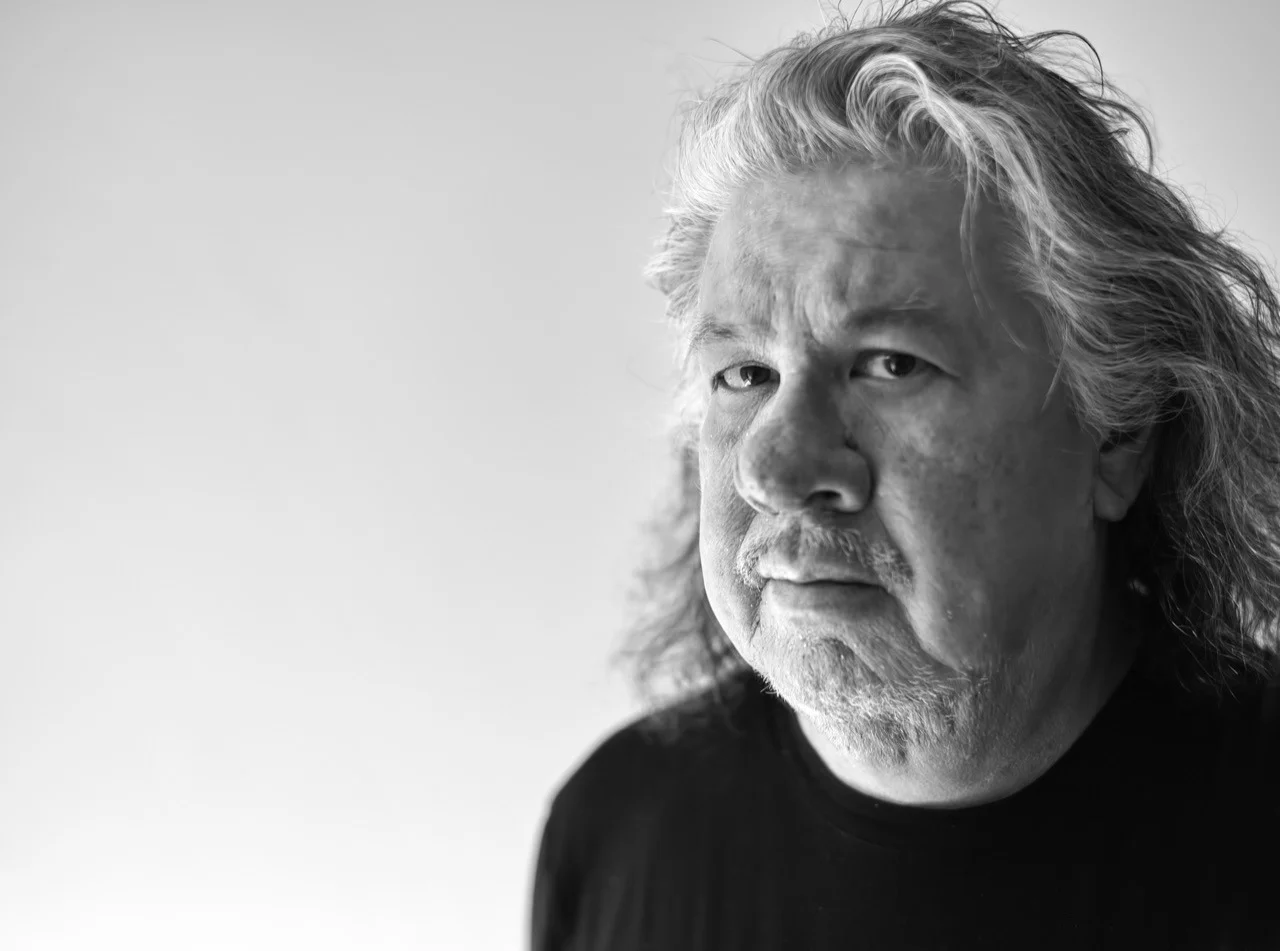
x: 916, y: 450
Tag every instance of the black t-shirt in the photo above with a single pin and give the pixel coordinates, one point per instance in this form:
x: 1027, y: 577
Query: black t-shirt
x: 1157, y: 829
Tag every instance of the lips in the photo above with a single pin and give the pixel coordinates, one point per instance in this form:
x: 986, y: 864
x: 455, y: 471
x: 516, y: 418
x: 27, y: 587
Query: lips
x: 814, y: 578
x: 810, y: 573
x: 789, y: 559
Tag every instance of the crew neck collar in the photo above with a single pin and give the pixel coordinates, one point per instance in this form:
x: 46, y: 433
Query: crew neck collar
x: 1111, y: 762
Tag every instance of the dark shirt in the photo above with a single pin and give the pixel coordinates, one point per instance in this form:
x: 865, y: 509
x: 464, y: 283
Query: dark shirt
x: 1156, y: 829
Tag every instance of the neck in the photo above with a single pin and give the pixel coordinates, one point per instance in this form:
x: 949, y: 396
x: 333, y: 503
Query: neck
x: 1027, y: 732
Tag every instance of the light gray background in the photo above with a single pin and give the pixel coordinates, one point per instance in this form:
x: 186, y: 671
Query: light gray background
x: 329, y: 404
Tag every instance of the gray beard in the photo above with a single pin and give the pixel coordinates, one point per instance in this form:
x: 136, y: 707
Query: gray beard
x: 881, y: 721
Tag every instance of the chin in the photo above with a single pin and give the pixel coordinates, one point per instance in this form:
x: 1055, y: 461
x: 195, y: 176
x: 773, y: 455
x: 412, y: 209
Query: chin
x: 863, y: 713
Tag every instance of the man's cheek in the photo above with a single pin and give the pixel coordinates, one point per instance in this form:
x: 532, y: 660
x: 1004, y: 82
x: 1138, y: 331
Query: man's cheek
x: 715, y: 547
x: 715, y: 481
x: 730, y: 600
x: 717, y: 551
x: 724, y: 526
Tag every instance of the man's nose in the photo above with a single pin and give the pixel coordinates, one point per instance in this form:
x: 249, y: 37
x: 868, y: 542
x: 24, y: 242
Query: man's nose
x: 799, y: 457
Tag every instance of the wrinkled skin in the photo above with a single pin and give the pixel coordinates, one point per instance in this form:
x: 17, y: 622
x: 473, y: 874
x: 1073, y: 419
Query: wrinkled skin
x: 945, y: 467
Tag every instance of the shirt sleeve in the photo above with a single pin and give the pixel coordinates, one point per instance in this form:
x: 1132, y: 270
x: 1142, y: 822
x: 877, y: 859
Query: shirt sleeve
x: 554, y: 885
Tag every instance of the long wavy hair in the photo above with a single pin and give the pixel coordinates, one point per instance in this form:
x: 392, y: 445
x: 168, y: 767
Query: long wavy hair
x: 1153, y: 318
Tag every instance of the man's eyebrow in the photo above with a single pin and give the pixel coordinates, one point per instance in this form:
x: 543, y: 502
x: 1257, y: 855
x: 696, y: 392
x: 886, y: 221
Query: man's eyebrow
x: 709, y: 329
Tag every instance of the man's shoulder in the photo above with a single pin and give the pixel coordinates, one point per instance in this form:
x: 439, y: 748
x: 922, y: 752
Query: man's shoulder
x: 1252, y: 728
x: 674, y: 752
x: 1243, y: 815
x: 645, y: 805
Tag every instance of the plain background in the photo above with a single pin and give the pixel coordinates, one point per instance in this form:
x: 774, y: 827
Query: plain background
x: 330, y: 405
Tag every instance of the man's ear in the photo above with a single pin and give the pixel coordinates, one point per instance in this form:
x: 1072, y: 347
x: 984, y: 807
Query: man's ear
x: 1124, y: 461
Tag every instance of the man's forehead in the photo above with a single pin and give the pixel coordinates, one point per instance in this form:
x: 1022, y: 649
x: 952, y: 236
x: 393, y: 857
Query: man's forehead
x: 876, y: 206
x: 828, y: 254
x: 824, y: 221
x: 919, y: 310
x: 751, y: 284
x: 826, y: 276
x: 858, y: 239
x: 826, y: 270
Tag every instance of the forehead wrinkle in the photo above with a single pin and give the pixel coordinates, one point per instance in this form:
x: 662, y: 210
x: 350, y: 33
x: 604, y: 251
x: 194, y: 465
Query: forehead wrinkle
x: 766, y: 275
x: 763, y: 270
x: 838, y: 295
x: 833, y: 258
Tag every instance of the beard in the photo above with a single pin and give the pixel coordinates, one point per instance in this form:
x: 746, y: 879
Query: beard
x: 872, y: 715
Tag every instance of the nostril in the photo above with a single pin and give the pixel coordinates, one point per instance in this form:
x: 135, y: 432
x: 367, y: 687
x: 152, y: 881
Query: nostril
x: 773, y: 483
x: 828, y: 498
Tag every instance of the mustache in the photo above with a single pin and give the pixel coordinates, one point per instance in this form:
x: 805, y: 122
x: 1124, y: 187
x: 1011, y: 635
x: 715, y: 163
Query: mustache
x: 795, y: 542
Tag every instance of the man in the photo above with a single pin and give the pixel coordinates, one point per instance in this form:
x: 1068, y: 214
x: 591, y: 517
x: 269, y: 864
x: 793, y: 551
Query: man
x: 970, y: 592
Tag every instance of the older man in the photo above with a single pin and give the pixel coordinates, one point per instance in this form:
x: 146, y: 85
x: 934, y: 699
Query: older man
x: 971, y: 589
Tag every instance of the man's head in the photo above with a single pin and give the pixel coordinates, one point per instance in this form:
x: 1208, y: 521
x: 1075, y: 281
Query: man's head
x: 867, y: 420
x: 941, y: 326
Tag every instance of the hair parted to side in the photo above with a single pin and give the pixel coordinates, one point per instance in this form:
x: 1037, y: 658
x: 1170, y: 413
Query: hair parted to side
x: 1152, y: 317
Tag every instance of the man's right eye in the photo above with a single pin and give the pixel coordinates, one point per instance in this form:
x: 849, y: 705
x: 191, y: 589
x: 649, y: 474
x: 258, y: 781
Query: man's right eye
x: 744, y: 376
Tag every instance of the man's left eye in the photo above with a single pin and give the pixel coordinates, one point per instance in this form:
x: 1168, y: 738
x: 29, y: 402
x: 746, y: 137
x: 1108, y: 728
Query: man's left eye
x: 905, y: 362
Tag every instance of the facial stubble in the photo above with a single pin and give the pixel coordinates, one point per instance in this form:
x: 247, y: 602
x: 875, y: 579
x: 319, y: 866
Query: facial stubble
x: 873, y: 704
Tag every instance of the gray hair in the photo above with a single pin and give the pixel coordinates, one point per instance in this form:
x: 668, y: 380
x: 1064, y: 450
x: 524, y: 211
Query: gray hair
x: 1152, y: 317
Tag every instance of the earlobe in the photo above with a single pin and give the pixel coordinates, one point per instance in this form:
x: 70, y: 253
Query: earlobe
x: 1124, y: 460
